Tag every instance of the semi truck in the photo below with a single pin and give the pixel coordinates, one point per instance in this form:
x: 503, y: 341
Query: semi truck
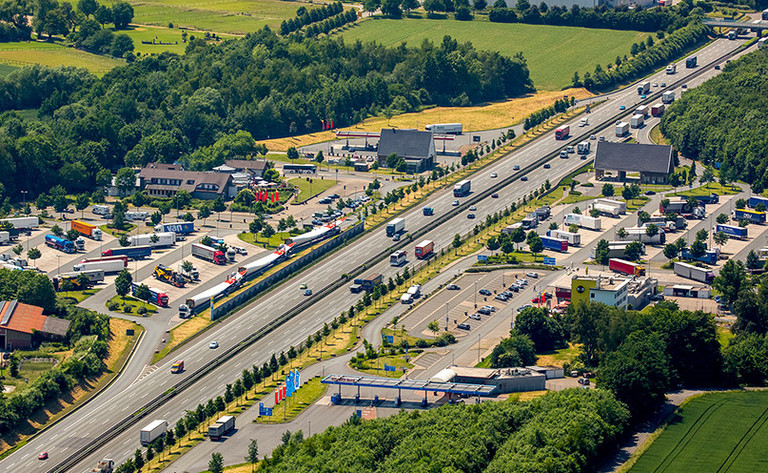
x: 641, y: 234
x: 396, y: 226
x: 157, y: 296
x: 643, y: 110
x: 582, y: 221
x: 91, y: 231
x: 153, y: 431
x: 755, y: 200
x: 682, y: 207
x: 573, y: 239
x: 671, y: 69
x: 707, y: 199
x: 104, y: 466
x: 643, y: 88
x: 626, y: 267
x: 554, y: 244
x: 161, y: 239
x: 369, y: 282
x: 636, y: 121
x: 221, y: 427
x: 192, y: 275
x: 668, y: 96
x: 425, y: 249
x: 622, y: 206
x: 583, y: 147
x: 131, y: 252
x: 678, y: 223
x: 543, y: 212
x: 179, y: 228
x: 61, y: 244
x: 209, y: 254
x: 445, y: 128
x: 622, y: 128
x: 398, y: 258
x: 22, y: 223
x: 462, y: 188
x: 709, y: 256
x: 122, y: 258
x: 108, y: 266
x: 562, y: 132
x: 751, y: 216
x: 691, y: 62
x: 616, y: 249
x: 605, y: 209
x: 690, y: 271
x: 733, y: 231
x: 166, y: 274
x: 94, y: 276
x: 657, y: 109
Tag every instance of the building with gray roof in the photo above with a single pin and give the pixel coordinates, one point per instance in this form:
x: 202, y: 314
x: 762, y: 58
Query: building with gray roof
x: 416, y: 147
x: 654, y: 163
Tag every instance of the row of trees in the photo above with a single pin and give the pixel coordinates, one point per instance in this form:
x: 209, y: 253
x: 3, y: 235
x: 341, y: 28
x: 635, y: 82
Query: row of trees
x: 332, y: 23
x: 157, y: 110
x: 306, y: 17
x: 720, y: 125
x: 540, y: 116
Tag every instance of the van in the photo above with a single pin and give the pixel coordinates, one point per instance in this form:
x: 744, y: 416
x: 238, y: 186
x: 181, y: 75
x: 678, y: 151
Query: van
x: 406, y: 298
x: 102, y: 210
x: 569, y: 149
x: 584, y: 122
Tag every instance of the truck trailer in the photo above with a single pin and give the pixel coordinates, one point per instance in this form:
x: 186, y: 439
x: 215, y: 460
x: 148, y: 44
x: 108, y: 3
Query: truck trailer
x: 221, y: 427
x: 562, y: 132
x: 573, y: 239
x: 132, y: 252
x: 657, y: 109
x: 462, y: 188
x: 605, y: 209
x: 582, y: 221
x: 583, y: 147
x: 643, y: 110
x: 668, y: 97
x: 709, y: 256
x: 626, y: 267
x: 369, y: 282
x: 157, y: 296
x: 179, y: 228
x: 108, y: 266
x: 554, y: 244
x: 691, y: 62
x: 88, y: 229
x: 425, y: 249
x: 122, y: 258
x: 616, y: 203
x: 755, y: 200
x: 153, y: 431
x: 154, y: 240
x: 445, y: 128
x: 641, y: 234
x: 395, y: 227
x: 751, y: 216
x: 622, y: 128
x: 733, y: 231
x: 22, y: 223
x: 643, y: 88
x: 61, y: 244
x: 690, y: 271
x: 636, y: 121
x: 209, y: 254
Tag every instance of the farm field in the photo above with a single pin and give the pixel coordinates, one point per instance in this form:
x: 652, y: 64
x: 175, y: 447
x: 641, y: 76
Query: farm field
x: 25, y: 53
x: 6, y: 69
x: 714, y: 432
x: 553, y: 53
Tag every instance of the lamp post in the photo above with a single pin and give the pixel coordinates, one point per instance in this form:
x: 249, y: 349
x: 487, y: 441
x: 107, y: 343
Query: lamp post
x: 475, y: 294
x: 24, y: 200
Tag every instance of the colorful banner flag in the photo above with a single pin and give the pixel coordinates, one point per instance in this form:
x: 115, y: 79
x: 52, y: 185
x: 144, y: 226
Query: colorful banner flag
x: 330, y: 125
x: 297, y: 379
x: 277, y: 397
x: 282, y: 392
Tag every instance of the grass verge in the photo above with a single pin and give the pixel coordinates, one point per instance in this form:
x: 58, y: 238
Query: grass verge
x: 130, y: 305
x: 310, y: 187
x: 290, y: 408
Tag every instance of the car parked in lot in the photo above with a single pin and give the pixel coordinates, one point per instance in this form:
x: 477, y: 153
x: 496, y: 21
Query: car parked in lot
x: 523, y: 307
x: 489, y: 307
x: 453, y: 287
x: 501, y: 297
x: 522, y: 282
x: 463, y: 326
x: 484, y: 311
x: 485, y: 292
x: 474, y: 316
x: 532, y: 275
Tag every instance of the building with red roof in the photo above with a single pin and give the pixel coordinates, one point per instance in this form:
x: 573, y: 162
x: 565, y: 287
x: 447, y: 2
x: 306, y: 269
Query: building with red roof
x: 23, y: 325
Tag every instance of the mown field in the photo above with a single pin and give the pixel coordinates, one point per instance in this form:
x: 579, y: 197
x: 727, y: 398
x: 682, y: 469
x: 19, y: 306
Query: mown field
x: 723, y: 432
x: 553, y: 53
x: 25, y: 53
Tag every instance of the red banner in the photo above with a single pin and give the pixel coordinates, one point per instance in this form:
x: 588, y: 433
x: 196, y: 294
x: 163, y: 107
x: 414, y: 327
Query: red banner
x: 282, y: 393
x: 277, y: 397
x: 330, y: 125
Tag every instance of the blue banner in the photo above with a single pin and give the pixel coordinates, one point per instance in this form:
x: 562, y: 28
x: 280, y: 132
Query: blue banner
x: 296, y: 380
x: 289, y: 385
x: 389, y: 368
x: 549, y: 261
x: 482, y: 257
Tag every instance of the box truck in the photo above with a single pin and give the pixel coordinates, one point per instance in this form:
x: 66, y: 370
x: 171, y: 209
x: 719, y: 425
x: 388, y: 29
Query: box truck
x: 641, y: 234
x: 643, y: 88
x: 61, y: 244
x: 425, y: 249
x: 153, y: 431
x: 636, y: 121
x: 626, y: 267
x: 740, y: 233
x: 657, y: 109
x: 396, y: 226
x: 180, y: 228
x: 22, y: 223
x: 156, y: 296
x: 554, y: 244
x: 643, y: 110
x: 668, y: 96
x: 622, y: 128
x: 209, y: 254
x: 573, y: 239
x: 221, y: 427
x: 671, y: 69
x: 582, y: 221
x: 583, y: 147
x: 462, y: 188
x: 369, y: 282
x: 5, y: 237
x: 690, y: 271
x: 445, y: 128
x: 691, y: 62
x: 87, y: 229
x: 108, y: 266
x: 154, y: 240
x: 751, y: 216
x: 562, y: 132
x: 131, y: 252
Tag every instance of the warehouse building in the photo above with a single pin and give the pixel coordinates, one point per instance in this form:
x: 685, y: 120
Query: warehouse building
x: 417, y: 148
x: 506, y: 380
x: 22, y: 326
x: 654, y: 163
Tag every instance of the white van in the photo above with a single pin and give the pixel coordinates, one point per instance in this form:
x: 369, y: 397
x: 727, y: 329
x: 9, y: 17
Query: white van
x: 406, y: 298
x: 584, y: 122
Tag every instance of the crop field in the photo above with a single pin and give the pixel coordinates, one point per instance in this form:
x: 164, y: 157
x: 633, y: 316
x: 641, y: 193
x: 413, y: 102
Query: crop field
x: 724, y: 432
x: 553, y: 53
x: 21, y: 54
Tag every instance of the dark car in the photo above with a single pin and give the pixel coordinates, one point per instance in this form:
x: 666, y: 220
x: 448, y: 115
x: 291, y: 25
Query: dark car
x: 547, y: 166
x: 494, y: 196
x: 453, y: 287
x: 484, y: 311
x: 524, y: 178
x: 470, y: 216
x: 717, y: 67
x: 485, y: 292
x: 650, y: 193
x: 463, y: 326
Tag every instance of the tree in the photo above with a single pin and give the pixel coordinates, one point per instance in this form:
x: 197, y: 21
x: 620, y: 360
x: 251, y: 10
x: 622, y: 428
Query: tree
x: 731, y: 280
x: 60, y: 203
x: 698, y: 248
x: 670, y: 251
x: 707, y: 176
x: 722, y: 219
x: 124, y: 240
x: 652, y: 230
x: 545, y: 331
x: 204, y: 212
x: 125, y: 181
x: 33, y: 254
x: 82, y: 201
x: 369, y: 6
x: 138, y: 459
x: 493, y: 244
x: 18, y: 249
x: 720, y: 238
x: 433, y: 327
x: 433, y: 5
x: 517, y: 350
x: 267, y: 231
x: 741, y: 204
x: 573, y: 228
x: 602, y: 251
x: 391, y: 8
x: 643, y: 216
x: 633, y: 250
x: 170, y: 439
x: 752, y: 261
x: 73, y: 235
x: 456, y: 240
x: 253, y: 453
x: 518, y: 235
x: 122, y: 15
x: 143, y: 293
x: 535, y: 244
x: 181, y: 428
x: 408, y: 5
x: 88, y: 8
x: 608, y: 190
x: 702, y: 234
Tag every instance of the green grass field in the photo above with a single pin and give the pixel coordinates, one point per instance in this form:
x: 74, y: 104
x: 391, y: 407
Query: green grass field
x: 6, y: 69
x: 317, y: 186
x: 723, y: 432
x: 21, y: 54
x: 553, y: 53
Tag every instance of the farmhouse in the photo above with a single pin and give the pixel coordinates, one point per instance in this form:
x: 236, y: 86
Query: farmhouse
x: 655, y: 163
x: 417, y: 148
x: 22, y: 325
x: 164, y: 180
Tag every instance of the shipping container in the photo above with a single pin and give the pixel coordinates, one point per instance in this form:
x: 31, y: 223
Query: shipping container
x: 87, y: 229
x: 626, y: 267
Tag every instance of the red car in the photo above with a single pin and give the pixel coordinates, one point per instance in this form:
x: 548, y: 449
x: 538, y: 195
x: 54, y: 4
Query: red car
x: 42, y: 456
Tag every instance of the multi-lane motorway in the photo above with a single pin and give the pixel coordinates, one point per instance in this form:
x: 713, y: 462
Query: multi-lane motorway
x: 87, y: 424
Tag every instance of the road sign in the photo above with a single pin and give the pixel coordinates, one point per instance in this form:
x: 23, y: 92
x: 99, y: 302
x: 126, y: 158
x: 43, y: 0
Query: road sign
x: 482, y: 257
x: 549, y: 261
x: 389, y: 368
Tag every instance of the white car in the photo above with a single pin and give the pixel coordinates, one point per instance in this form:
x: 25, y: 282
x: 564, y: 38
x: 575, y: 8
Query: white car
x: 474, y: 316
x: 455, y: 203
x: 472, y: 208
x: 522, y: 282
x: 494, y: 175
x: 213, y: 345
x: 490, y: 307
x: 532, y: 275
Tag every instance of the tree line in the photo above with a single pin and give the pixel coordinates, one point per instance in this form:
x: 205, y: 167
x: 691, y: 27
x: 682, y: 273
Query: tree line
x: 166, y: 107
x: 721, y: 122
x: 306, y: 17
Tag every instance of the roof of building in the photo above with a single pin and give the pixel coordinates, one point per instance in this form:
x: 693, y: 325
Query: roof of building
x: 413, y: 144
x: 492, y: 373
x: 634, y: 157
x: 409, y: 384
x: 189, y: 180
x: 26, y: 318
x: 252, y: 164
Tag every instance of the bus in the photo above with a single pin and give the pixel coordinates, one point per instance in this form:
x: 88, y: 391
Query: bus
x: 398, y: 258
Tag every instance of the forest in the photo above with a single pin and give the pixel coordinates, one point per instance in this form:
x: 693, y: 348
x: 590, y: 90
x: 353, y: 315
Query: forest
x: 163, y: 108
x: 722, y: 122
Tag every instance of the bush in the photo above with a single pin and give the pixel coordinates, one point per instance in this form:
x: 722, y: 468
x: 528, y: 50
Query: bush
x: 141, y: 310
x: 127, y: 308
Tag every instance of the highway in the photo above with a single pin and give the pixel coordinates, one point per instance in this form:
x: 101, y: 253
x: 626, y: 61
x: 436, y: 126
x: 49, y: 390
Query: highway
x: 88, y: 423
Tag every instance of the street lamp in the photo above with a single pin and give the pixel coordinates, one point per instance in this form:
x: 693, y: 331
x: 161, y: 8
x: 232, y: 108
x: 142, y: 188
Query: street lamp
x: 446, y: 316
x: 475, y: 294
x: 24, y: 200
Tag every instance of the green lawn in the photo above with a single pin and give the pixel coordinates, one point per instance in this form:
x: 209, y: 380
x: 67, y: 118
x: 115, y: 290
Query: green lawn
x: 29, y: 372
x: 307, y: 395
x: 307, y: 189
x: 376, y: 367
x: 273, y: 242
x: 553, y: 53
x: 133, y: 303
x: 715, y: 432
x: 711, y: 188
x: 20, y: 54
x: 77, y: 297
x: 6, y: 69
